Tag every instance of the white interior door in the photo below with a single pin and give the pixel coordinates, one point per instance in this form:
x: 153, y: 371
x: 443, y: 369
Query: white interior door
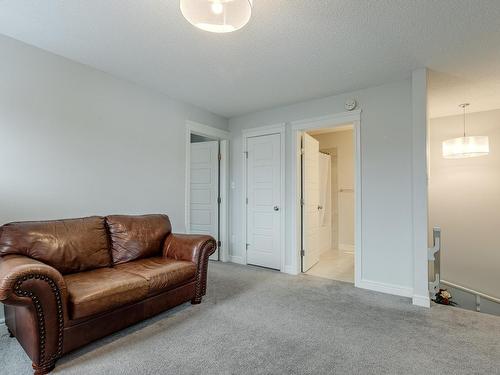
x: 204, y: 185
x: 310, y: 207
x: 264, y: 201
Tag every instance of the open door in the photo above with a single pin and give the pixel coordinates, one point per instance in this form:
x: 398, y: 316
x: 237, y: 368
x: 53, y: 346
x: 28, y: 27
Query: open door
x: 310, y: 202
x: 204, y: 194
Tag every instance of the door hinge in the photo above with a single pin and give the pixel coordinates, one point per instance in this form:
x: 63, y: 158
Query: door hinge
x: 219, y: 244
x: 219, y: 200
x: 246, y: 200
x: 302, y: 201
x: 246, y: 154
x: 247, y: 246
x: 302, y: 151
x: 302, y: 252
x: 220, y: 156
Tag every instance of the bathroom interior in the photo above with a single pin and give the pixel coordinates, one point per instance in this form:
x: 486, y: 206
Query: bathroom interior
x: 335, y: 209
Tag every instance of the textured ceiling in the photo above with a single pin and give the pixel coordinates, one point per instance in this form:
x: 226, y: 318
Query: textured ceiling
x: 292, y: 50
x: 447, y: 91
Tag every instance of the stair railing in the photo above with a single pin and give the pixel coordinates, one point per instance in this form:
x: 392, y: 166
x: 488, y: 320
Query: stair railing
x: 434, y: 255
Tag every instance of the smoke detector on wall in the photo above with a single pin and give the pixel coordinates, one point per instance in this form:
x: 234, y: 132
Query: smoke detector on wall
x: 350, y: 104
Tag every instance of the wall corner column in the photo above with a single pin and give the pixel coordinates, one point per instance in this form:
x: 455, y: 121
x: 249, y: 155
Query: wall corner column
x: 419, y: 187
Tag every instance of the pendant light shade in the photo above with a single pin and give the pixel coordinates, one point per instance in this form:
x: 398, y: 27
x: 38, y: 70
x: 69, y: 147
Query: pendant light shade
x: 217, y: 16
x: 466, y: 147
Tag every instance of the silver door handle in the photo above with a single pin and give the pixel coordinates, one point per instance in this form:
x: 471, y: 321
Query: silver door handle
x: 276, y: 208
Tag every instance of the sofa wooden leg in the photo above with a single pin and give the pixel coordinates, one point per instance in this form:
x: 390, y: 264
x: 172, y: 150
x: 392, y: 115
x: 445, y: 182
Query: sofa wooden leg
x: 196, y: 301
x: 10, y: 332
x: 43, y: 369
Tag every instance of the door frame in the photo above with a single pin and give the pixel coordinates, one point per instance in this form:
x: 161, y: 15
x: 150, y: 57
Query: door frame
x: 223, y: 137
x: 258, y: 132
x: 330, y: 121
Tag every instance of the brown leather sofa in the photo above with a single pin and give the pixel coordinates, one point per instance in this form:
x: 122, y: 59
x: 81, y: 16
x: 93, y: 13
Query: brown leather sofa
x: 66, y: 283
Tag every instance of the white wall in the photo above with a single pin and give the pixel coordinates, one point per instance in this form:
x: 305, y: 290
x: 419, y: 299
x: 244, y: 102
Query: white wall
x: 386, y: 153
x: 343, y: 142
x: 464, y: 199
x: 75, y: 141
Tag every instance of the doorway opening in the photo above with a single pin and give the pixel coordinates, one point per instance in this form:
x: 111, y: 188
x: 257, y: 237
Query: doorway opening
x: 463, y: 185
x: 327, y: 199
x: 206, y: 185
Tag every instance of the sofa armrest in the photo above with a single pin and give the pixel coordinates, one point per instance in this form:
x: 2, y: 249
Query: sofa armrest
x: 191, y: 247
x: 17, y: 268
x: 42, y: 291
x: 194, y: 248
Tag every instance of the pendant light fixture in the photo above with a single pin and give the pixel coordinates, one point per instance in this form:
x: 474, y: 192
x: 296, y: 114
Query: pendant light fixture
x: 466, y: 147
x: 217, y: 16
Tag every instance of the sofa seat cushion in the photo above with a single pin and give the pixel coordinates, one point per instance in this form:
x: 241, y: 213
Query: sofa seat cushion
x: 161, y: 273
x: 101, y: 290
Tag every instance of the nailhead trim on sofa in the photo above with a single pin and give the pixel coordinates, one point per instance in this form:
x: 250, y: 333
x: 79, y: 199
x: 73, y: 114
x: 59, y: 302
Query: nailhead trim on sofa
x: 44, y: 362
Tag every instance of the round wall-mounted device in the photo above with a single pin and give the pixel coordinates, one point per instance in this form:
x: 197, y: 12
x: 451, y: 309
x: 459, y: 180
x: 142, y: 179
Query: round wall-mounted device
x: 350, y: 104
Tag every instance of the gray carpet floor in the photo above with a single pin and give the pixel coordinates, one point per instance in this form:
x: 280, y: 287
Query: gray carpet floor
x: 256, y: 321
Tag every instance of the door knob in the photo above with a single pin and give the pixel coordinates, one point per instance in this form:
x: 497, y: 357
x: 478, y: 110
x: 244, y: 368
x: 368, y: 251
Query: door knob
x: 276, y: 208
x: 320, y: 207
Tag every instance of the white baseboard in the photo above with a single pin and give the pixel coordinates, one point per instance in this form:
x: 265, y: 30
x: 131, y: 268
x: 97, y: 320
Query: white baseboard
x: 346, y: 248
x: 236, y: 259
x: 396, y: 290
x: 423, y: 301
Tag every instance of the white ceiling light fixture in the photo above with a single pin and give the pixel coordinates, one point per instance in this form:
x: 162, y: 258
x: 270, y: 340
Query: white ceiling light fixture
x: 466, y: 147
x: 217, y: 16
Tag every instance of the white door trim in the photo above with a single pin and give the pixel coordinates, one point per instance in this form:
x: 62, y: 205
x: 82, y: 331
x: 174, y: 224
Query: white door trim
x: 256, y: 132
x: 223, y: 136
x: 330, y: 121
x: 206, y: 130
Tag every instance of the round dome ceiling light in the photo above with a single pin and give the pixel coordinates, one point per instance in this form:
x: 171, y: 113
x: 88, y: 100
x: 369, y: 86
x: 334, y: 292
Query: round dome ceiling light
x: 217, y: 16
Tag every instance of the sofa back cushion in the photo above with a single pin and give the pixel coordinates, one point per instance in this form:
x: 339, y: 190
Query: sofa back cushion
x: 135, y: 237
x: 71, y: 245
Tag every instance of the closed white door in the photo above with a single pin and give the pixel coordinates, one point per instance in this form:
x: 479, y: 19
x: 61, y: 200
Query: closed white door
x: 204, y: 194
x: 310, y: 206
x: 264, y: 201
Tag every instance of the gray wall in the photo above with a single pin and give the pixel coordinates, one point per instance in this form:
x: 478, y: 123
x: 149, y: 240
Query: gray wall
x: 75, y: 141
x: 464, y: 200
x: 386, y: 148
